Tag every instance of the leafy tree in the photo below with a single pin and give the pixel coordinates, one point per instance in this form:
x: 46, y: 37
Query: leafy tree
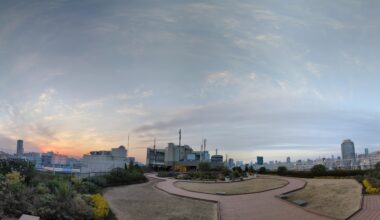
x: 377, y: 166
x: 246, y: 168
x: 281, y: 170
x: 131, y: 165
x: 318, y: 170
x: 251, y: 170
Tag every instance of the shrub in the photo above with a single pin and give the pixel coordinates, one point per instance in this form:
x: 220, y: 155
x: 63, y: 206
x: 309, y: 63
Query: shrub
x: 100, y: 181
x: 262, y: 170
x: 281, y: 170
x: 166, y: 174
x: 119, y: 177
x: 13, y: 178
x: 318, y: 170
x: 369, y: 188
x: 251, y: 170
x: 86, y: 187
x: 204, y: 167
x: 25, y: 168
x: 100, y: 206
x: 41, y: 189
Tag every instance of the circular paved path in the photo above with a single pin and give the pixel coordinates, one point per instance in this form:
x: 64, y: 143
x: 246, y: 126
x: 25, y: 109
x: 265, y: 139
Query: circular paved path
x: 262, y: 205
x: 370, y: 209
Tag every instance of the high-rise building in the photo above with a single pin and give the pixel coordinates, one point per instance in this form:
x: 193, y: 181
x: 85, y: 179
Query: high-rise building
x: 260, y: 160
x: 366, y: 152
x: 288, y: 159
x: 20, y: 147
x: 231, y: 163
x: 348, y: 150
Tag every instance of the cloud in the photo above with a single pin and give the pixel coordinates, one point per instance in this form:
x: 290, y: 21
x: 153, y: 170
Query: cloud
x: 271, y: 39
x: 138, y: 110
x: 313, y: 68
x: 99, y: 102
x: 252, y: 76
x: 220, y: 78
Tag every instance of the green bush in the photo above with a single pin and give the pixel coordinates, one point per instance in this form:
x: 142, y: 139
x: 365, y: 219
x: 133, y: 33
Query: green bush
x: 318, y: 170
x: 204, y: 167
x: 282, y: 171
x: 262, y: 170
x: 25, y: 168
x: 86, y: 187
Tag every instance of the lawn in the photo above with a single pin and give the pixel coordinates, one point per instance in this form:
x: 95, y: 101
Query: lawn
x: 248, y: 186
x: 338, y: 198
x: 143, y: 201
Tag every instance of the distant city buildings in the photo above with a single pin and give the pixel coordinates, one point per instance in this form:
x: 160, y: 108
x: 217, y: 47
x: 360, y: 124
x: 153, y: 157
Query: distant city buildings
x: 181, y: 157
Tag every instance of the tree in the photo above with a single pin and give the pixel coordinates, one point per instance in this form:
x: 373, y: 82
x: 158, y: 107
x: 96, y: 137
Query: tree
x: 318, y: 170
x: 262, y: 170
x: 246, y: 168
x: 251, y: 170
x: 377, y: 167
x: 281, y: 170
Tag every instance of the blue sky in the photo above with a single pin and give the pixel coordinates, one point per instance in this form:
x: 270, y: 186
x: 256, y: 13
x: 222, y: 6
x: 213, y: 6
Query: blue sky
x: 269, y: 78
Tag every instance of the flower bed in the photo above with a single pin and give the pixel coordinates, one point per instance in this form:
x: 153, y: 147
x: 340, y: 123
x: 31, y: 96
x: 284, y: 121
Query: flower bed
x: 369, y: 188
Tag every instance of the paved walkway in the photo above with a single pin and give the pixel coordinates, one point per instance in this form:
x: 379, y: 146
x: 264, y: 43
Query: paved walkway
x: 250, y: 206
x: 370, y: 209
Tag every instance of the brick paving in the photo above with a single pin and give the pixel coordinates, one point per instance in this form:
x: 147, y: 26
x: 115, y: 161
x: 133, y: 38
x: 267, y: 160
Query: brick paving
x: 370, y: 209
x: 250, y: 206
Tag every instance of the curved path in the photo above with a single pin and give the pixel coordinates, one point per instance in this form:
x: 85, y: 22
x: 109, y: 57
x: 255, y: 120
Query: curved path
x: 370, y: 209
x: 262, y: 205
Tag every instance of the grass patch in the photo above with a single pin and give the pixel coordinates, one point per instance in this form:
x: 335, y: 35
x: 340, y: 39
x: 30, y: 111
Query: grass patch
x: 248, y: 186
x: 338, y: 198
x: 143, y: 201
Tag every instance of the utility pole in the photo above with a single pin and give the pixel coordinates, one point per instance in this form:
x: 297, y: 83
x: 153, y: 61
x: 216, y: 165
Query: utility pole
x: 128, y: 143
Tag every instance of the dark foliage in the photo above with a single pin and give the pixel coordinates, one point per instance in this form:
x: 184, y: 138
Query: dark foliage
x: 282, y: 171
x: 25, y: 168
x: 117, y: 177
x: 318, y: 170
x: 204, y: 167
x: 262, y: 170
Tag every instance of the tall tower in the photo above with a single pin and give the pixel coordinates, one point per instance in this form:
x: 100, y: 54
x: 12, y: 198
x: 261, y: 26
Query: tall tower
x: 20, y: 147
x: 348, y: 150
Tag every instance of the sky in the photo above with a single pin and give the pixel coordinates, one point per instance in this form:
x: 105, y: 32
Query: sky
x: 268, y: 78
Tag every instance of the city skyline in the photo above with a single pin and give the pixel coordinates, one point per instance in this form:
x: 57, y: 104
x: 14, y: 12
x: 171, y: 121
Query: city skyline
x: 254, y: 78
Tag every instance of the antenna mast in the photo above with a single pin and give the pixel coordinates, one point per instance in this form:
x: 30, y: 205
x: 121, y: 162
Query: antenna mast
x: 180, y: 133
x: 154, y: 151
x: 128, y: 142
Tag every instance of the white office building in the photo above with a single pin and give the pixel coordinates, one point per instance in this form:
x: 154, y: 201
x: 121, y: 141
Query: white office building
x: 104, y: 161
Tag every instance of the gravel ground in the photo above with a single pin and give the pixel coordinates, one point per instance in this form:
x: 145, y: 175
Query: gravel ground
x: 248, y: 186
x: 338, y: 198
x: 143, y: 201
